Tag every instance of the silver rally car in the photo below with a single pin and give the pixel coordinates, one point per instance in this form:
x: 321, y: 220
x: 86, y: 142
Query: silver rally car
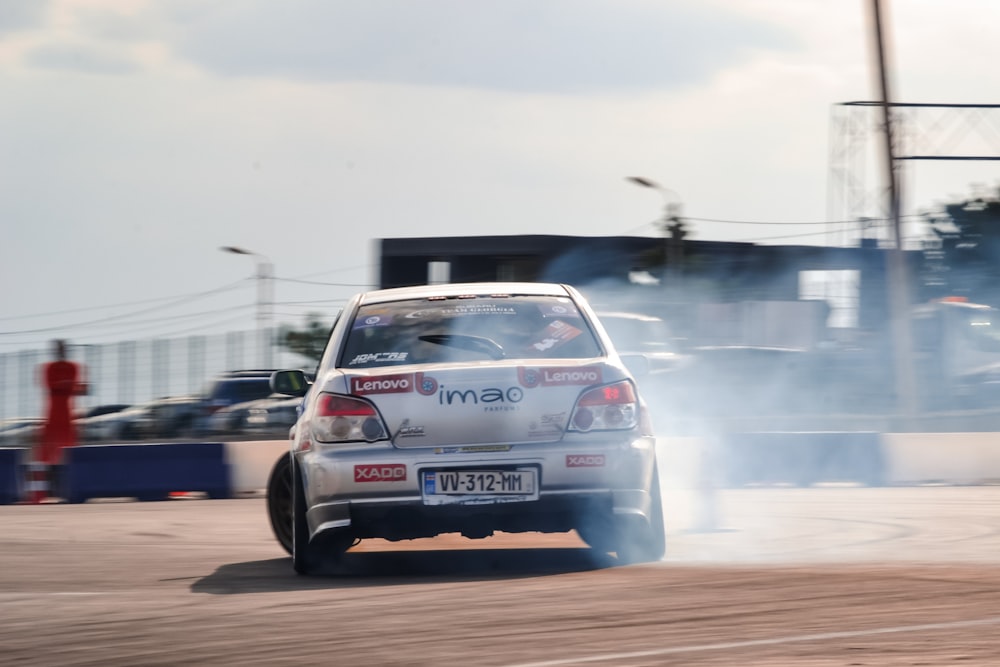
x: 467, y: 408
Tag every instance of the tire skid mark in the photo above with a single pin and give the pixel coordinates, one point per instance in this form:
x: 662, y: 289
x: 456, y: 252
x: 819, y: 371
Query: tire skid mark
x: 791, y: 639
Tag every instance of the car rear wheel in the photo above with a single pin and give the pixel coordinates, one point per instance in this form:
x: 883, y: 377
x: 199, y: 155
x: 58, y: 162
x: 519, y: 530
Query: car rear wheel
x: 305, y: 556
x: 279, y: 501
x: 632, y: 538
x: 311, y: 556
x: 642, y: 540
x: 597, y: 529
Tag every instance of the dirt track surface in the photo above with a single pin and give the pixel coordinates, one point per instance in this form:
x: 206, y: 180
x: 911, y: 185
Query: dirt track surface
x: 818, y: 577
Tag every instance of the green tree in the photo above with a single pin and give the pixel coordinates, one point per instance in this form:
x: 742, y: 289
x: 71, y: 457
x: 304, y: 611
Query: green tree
x: 308, y: 341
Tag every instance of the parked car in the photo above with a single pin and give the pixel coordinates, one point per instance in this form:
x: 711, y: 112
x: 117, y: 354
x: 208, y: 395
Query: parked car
x: 228, y: 420
x: 751, y: 380
x: 235, y: 419
x: 103, y: 409
x: 662, y: 380
x: 179, y: 416
x: 132, y: 423
x: 646, y: 335
x: 175, y: 416
x: 273, y: 417
x: 468, y: 408
x: 191, y: 416
x: 19, y: 431
x: 227, y: 389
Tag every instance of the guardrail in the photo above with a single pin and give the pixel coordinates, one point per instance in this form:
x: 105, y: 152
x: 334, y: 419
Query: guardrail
x: 810, y: 457
x: 145, y: 472
x: 148, y: 471
x: 944, y: 458
x: 801, y: 458
x: 152, y: 471
x: 11, y: 475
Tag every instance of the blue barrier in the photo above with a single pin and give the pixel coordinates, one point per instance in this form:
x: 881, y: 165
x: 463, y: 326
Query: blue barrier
x: 145, y: 471
x: 11, y: 460
x: 802, y: 458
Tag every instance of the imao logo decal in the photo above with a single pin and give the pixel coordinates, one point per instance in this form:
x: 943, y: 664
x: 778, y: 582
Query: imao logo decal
x: 385, y: 384
x: 529, y: 377
x: 449, y: 396
x: 386, y: 472
x: 585, y: 460
x: 426, y: 385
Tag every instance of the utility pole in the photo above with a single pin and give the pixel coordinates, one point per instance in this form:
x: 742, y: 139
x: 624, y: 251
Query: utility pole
x: 264, y: 276
x: 898, y: 279
x: 673, y: 229
x: 676, y: 232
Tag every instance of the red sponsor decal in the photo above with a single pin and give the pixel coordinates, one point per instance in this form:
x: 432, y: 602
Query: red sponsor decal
x: 585, y: 460
x: 388, y: 472
x: 382, y: 384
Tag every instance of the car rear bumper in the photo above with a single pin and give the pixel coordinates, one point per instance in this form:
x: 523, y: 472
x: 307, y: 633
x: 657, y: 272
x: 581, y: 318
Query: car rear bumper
x: 577, y: 482
x: 411, y: 519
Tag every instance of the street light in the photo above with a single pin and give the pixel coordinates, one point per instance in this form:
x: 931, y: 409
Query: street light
x: 265, y: 274
x: 673, y: 224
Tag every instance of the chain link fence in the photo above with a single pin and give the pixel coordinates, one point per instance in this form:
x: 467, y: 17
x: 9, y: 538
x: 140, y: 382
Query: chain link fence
x: 136, y: 371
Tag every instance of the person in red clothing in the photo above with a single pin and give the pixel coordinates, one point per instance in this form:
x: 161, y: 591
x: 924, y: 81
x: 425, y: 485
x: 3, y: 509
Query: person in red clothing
x: 62, y: 380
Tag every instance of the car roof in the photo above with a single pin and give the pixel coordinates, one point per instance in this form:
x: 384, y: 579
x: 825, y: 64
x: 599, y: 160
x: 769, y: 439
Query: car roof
x: 622, y: 315
x: 461, y: 289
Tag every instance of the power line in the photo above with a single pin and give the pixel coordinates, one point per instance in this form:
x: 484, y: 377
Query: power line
x: 811, y: 222
x: 787, y: 236
x: 119, y: 305
x: 314, y: 282
x: 143, y: 325
x: 201, y: 327
x: 192, y: 296
x: 345, y: 268
x: 309, y: 302
x: 659, y: 222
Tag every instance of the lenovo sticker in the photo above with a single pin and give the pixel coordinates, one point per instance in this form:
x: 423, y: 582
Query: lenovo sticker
x: 385, y: 384
x: 551, y: 377
x: 390, y: 472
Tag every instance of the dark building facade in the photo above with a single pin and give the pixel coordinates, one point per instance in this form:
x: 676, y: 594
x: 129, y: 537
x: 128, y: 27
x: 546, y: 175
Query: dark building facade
x: 707, y: 270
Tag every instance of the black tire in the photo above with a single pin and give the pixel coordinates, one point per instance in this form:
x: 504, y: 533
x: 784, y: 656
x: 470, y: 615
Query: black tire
x: 312, y: 556
x: 279, y: 501
x: 640, y: 540
x: 597, y: 529
x: 305, y: 555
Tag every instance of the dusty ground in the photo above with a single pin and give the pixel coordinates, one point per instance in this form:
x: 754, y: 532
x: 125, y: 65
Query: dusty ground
x: 818, y: 577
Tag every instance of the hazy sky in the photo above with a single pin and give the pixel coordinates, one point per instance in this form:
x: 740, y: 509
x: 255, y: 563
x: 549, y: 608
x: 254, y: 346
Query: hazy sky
x: 138, y: 136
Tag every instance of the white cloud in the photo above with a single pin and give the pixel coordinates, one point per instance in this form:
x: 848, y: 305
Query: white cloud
x: 206, y: 124
x: 520, y: 45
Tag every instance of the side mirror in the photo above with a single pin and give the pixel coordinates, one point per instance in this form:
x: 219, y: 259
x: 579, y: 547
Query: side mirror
x: 290, y: 383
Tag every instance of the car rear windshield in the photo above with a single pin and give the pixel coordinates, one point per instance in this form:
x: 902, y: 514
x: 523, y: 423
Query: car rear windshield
x: 468, y: 329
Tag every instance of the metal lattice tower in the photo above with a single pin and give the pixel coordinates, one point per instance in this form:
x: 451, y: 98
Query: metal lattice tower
x: 940, y: 132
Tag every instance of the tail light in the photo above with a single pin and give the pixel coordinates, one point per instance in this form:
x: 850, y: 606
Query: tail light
x: 612, y: 407
x: 339, y: 418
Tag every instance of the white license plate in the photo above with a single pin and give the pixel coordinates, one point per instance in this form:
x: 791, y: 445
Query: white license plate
x: 480, y: 486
